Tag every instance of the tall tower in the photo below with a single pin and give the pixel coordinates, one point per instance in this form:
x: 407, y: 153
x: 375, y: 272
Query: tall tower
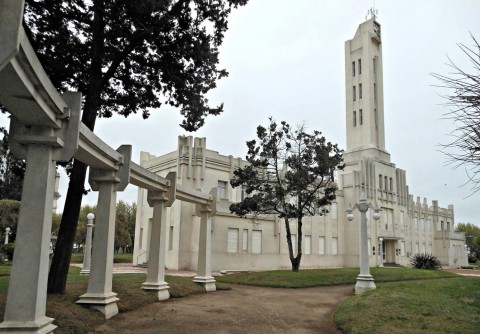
x: 364, y: 93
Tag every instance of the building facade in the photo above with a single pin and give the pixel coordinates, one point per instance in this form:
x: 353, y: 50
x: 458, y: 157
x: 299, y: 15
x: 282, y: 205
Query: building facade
x: 407, y: 226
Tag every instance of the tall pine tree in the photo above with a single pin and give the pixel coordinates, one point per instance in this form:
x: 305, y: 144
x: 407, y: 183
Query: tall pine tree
x: 126, y: 57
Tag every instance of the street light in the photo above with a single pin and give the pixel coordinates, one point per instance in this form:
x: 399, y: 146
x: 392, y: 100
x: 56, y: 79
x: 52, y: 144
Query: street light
x: 380, y: 240
x: 365, y: 281
x: 7, y: 233
x: 88, y: 246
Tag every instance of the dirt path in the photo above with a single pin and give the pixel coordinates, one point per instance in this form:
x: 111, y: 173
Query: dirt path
x: 244, y: 309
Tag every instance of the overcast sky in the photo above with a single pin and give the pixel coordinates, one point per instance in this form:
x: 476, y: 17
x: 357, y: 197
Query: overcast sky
x: 286, y: 60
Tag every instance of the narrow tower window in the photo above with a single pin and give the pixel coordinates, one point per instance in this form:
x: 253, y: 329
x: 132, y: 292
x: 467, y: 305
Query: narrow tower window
x: 359, y: 66
x: 375, y: 91
x: 360, y: 91
x: 354, y: 118
x: 353, y: 68
x: 374, y: 66
x: 380, y: 178
x: 354, y: 94
x: 361, y: 117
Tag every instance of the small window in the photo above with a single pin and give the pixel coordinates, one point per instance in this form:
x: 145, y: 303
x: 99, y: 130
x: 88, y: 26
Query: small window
x: 354, y: 118
x: 360, y: 91
x: 245, y: 241
x: 375, y: 91
x: 374, y: 66
x: 391, y: 184
x: 386, y: 184
x: 232, y: 240
x: 321, y: 245
x: 354, y: 93
x: 380, y: 178
x: 256, y: 241
x: 243, y: 194
x: 334, y: 246
x: 353, y: 68
x: 308, y: 244
x: 359, y: 66
x: 361, y: 117
x: 222, y: 189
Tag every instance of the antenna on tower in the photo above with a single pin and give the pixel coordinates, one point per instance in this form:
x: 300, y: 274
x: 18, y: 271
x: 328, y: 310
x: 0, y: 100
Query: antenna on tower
x: 372, y: 12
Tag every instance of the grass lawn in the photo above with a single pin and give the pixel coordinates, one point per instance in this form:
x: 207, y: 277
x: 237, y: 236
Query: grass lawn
x: 117, y: 258
x: 324, y: 277
x: 420, y: 298
x: 427, y: 306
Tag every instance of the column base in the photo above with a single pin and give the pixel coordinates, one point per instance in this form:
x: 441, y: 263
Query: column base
x: 106, y: 303
x: 160, y: 289
x: 364, y: 283
x: 207, y: 282
x: 43, y: 326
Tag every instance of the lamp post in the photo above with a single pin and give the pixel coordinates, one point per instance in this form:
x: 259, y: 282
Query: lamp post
x: 365, y: 281
x: 7, y: 233
x: 88, y: 246
x: 380, y: 244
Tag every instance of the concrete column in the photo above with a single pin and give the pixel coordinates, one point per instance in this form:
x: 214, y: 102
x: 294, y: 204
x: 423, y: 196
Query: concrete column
x: 27, y: 292
x: 158, y: 236
x: 99, y: 293
x: 88, y: 246
x: 380, y: 244
x: 204, y: 274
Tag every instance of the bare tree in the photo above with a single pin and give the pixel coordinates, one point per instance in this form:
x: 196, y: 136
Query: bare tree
x: 464, y: 105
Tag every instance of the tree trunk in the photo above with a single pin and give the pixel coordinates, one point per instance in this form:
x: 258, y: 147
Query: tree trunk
x: 296, y: 263
x: 57, y: 277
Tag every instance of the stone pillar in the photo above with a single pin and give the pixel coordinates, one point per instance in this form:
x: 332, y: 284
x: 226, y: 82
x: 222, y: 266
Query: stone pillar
x: 156, y: 262
x: 380, y: 248
x: 88, y: 246
x: 99, y: 292
x: 27, y: 292
x: 204, y: 274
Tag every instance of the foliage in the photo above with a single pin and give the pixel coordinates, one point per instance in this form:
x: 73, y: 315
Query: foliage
x: 427, y: 306
x: 126, y: 57
x: 123, y: 219
x: 8, y: 250
x: 472, y: 259
x: 12, y: 171
x: 9, y: 211
x: 464, y: 105
x: 425, y: 261
x: 472, y: 238
x: 290, y: 174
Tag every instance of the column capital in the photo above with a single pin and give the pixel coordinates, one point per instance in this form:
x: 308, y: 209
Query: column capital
x: 157, y: 196
x: 121, y: 176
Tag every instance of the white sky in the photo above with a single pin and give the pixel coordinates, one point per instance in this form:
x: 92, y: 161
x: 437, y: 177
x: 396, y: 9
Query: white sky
x: 286, y: 60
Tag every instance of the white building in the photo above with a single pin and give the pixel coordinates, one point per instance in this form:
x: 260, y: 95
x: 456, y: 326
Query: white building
x: 407, y: 226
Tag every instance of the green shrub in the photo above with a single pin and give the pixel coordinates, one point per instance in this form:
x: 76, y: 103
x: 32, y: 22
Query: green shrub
x: 8, y: 250
x: 472, y: 259
x: 425, y: 261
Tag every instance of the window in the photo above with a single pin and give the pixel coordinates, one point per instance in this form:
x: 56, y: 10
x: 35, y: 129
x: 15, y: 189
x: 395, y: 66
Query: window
x: 222, y: 189
x: 308, y: 244
x: 321, y: 245
x: 359, y: 66
x: 375, y: 91
x: 391, y: 184
x: 232, y: 240
x: 245, y: 241
x: 353, y: 68
x: 380, y: 178
x: 334, y: 245
x: 360, y: 91
x: 374, y: 66
x: 386, y: 185
x: 243, y: 192
x: 354, y: 93
x: 361, y: 117
x: 170, y: 238
x: 334, y: 210
x: 354, y: 118
x: 256, y: 241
